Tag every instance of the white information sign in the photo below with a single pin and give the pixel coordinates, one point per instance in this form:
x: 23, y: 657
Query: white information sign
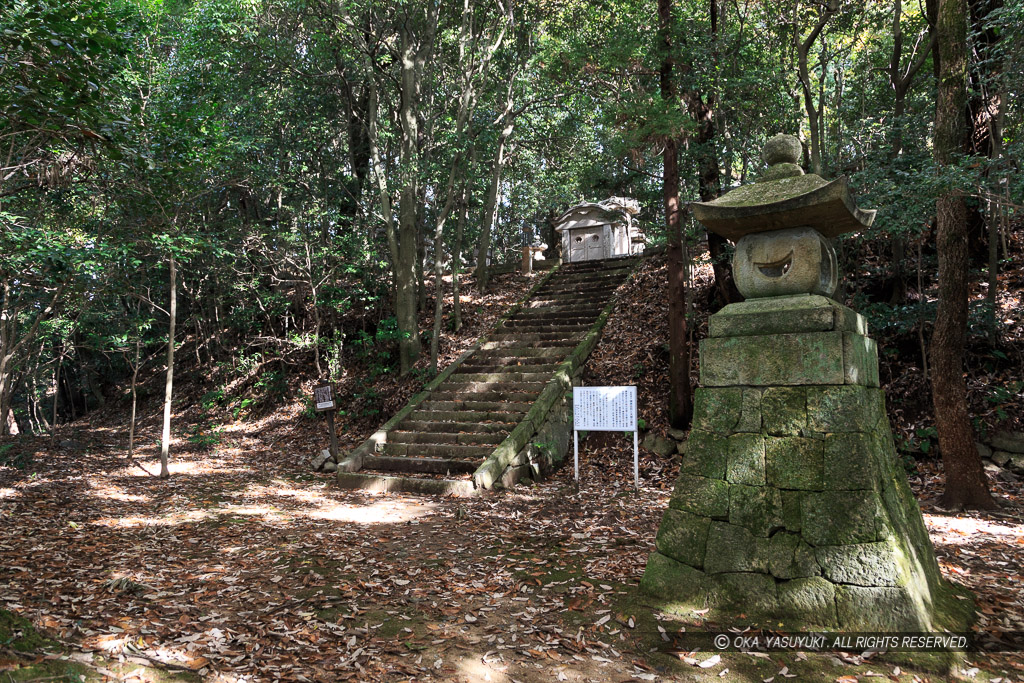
x: 605, y: 409
x: 323, y: 398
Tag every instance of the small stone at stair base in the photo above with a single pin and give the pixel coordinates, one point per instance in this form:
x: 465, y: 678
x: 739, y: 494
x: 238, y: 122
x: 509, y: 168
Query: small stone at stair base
x: 677, y: 434
x: 983, y: 450
x: 659, y: 444
x: 1016, y: 464
x: 321, y: 459
x: 330, y: 466
x: 1008, y: 441
x: 1001, y: 458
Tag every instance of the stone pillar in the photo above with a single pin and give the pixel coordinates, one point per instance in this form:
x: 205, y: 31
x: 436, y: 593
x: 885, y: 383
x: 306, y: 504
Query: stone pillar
x: 791, y: 503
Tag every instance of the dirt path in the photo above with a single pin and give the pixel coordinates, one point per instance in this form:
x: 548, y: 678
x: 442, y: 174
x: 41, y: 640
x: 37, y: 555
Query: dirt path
x: 243, y: 566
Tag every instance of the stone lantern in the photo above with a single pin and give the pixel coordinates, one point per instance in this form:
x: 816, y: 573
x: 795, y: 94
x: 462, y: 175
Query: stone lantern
x: 791, y: 503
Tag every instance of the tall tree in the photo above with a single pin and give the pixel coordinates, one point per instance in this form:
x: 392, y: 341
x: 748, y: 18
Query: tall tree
x: 680, y: 396
x: 966, y: 485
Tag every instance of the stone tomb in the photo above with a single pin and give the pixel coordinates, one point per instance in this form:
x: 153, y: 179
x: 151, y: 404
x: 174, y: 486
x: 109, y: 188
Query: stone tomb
x: 791, y: 503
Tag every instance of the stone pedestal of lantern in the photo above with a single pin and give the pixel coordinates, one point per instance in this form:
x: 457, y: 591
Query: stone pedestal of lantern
x: 791, y: 503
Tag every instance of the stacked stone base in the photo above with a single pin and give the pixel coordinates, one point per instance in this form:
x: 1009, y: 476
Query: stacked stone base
x: 791, y: 504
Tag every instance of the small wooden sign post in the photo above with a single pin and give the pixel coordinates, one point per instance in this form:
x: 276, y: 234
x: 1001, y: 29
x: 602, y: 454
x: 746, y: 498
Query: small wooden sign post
x: 323, y: 399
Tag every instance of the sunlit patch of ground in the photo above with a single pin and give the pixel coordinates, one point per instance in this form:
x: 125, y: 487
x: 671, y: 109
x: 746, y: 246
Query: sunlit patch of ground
x: 963, y: 530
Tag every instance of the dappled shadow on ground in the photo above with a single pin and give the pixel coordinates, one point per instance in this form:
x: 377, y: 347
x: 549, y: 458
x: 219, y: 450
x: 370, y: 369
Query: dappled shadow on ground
x: 243, y: 567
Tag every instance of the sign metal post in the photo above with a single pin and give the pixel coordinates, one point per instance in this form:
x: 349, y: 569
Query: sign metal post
x: 605, y: 409
x: 323, y: 399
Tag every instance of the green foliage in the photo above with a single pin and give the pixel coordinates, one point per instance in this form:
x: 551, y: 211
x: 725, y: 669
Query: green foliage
x: 212, y: 399
x: 206, y: 437
x: 19, y: 460
x: 18, y: 633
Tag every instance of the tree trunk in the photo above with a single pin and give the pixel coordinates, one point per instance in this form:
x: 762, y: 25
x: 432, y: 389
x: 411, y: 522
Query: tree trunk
x: 680, y: 402
x: 900, y: 81
x: 813, y: 113
x: 491, y: 205
x: 165, y: 442
x: 966, y: 485
x: 406, y: 294
x: 56, y: 397
x: 457, y: 263
x: 135, y: 377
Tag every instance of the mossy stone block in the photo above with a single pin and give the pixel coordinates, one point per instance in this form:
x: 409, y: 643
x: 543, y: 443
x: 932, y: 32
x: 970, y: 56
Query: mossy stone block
x: 842, y: 408
x: 795, y: 462
x: 791, y: 514
x: 666, y: 579
x: 750, y: 412
x: 781, y: 359
x: 850, y: 461
x: 784, y: 411
x: 839, y: 517
x: 863, y: 564
x: 701, y: 496
x: 717, y: 409
x: 809, y: 601
x: 757, y: 508
x: 879, y: 608
x: 706, y: 454
x: 785, y: 315
x: 683, y: 537
x: 746, y: 460
x: 790, y: 558
x: 860, y: 360
x: 734, y: 549
x: 752, y: 593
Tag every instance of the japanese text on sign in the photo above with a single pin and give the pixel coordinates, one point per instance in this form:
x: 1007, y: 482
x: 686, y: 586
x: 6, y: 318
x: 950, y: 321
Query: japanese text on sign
x: 604, y: 409
x: 322, y: 397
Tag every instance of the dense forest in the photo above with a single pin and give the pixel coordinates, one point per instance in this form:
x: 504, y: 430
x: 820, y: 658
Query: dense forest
x: 277, y: 190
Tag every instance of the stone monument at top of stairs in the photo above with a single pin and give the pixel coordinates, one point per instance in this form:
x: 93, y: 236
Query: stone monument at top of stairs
x: 791, y: 503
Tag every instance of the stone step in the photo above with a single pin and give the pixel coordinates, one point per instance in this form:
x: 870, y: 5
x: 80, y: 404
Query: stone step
x: 553, y: 354
x: 438, y: 451
x: 502, y: 416
x: 509, y: 365
x: 477, y: 406
x: 462, y: 488
x: 607, y: 286
x: 467, y: 439
x: 528, y: 325
x: 566, y: 330
x: 391, y: 463
x: 499, y: 428
x: 579, y: 300
x: 503, y: 385
x: 500, y: 376
x: 533, y: 336
x: 516, y: 344
x: 560, y: 318
x: 493, y: 395
x: 590, y: 275
x: 603, y: 264
x: 534, y: 308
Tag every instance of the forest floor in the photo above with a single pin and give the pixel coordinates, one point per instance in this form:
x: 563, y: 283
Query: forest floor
x: 247, y: 566
x: 244, y: 566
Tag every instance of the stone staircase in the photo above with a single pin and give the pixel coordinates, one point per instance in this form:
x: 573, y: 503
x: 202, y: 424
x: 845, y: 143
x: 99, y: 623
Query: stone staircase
x: 472, y: 427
